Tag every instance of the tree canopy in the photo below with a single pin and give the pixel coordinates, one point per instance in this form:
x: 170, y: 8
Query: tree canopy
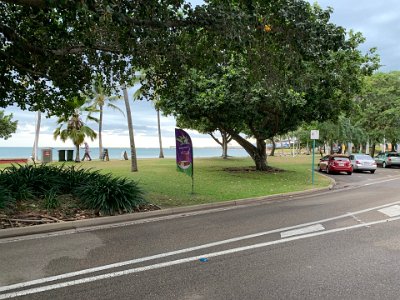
x: 379, y: 104
x: 7, y: 125
x: 298, y: 67
x: 50, y: 50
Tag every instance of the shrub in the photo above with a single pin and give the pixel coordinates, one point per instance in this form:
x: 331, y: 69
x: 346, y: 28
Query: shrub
x: 76, y: 177
x: 94, y: 190
x: 29, y: 181
x: 50, y: 200
x: 109, y: 195
x: 6, y: 199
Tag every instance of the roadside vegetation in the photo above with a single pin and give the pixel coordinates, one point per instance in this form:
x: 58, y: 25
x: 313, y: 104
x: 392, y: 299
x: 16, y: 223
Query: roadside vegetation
x: 215, y: 179
x: 48, y: 186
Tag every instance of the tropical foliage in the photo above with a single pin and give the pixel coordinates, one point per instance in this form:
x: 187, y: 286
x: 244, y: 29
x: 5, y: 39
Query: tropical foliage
x: 50, y: 51
x: 7, y: 125
x: 379, y: 108
x: 298, y: 68
x: 72, y: 127
x: 46, y: 183
x: 99, y: 97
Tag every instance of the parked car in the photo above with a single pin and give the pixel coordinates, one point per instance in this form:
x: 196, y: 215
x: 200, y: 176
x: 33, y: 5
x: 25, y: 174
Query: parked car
x: 388, y: 159
x: 362, y: 162
x: 335, y: 164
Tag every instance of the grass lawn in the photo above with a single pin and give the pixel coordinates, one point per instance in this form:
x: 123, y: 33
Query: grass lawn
x: 166, y: 187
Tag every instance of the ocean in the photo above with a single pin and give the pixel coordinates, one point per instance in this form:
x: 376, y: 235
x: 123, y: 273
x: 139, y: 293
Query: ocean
x: 116, y: 153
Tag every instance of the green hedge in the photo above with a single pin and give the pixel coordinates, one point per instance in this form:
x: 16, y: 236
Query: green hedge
x: 100, y: 192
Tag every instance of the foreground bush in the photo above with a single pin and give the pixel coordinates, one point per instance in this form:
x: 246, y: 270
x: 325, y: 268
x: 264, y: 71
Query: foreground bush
x: 102, y: 193
x: 6, y: 199
x: 111, y: 194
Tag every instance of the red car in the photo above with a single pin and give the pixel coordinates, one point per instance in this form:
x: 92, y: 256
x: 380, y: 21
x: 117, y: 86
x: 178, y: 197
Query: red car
x: 335, y: 164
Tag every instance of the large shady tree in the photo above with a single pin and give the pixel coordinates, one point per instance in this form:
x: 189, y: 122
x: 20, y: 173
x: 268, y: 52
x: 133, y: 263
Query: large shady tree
x: 379, y: 108
x: 50, y: 51
x: 294, y: 67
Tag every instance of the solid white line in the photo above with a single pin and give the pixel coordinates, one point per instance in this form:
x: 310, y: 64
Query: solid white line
x: 181, y: 261
x: 181, y: 251
x: 382, y: 181
x: 303, y: 230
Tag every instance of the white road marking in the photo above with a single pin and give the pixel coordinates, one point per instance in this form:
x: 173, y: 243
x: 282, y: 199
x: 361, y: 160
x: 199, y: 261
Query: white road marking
x: 392, y: 211
x: 184, y: 260
x: 381, y: 181
x: 181, y: 251
x: 304, y: 230
x: 359, y: 220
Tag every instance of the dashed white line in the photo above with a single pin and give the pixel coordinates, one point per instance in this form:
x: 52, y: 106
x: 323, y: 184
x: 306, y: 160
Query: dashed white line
x: 391, y: 211
x: 304, y: 230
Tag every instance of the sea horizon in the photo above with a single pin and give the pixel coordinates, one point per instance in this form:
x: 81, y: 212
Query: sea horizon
x: 117, y: 152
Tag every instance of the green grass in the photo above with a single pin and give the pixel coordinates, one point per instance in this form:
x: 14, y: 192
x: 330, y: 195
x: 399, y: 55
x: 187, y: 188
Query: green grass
x: 166, y: 187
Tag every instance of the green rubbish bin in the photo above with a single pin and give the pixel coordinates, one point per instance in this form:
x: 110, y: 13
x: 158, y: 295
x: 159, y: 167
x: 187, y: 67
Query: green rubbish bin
x: 70, y: 155
x: 47, y: 155
x: 61, y: 155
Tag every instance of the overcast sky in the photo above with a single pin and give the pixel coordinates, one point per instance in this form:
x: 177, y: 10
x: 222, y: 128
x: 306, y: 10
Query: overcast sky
x: 378, y: 21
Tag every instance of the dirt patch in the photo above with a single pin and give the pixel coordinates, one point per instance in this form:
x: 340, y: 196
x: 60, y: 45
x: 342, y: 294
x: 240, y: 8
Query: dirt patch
x: 252, y: 169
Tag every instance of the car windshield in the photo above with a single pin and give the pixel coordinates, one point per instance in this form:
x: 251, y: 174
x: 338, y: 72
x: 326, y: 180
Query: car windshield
x: 363, y: 157
x: 393, y: 155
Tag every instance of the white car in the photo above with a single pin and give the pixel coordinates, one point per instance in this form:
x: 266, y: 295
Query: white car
x: 363, y: 162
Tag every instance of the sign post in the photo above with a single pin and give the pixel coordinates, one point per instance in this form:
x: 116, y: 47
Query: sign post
x: 184, y: 154
x: 314, y: 136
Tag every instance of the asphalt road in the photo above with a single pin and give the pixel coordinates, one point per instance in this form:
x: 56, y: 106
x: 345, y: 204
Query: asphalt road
x: 341, y: 244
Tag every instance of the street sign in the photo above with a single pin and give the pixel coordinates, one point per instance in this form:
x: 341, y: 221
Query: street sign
x: 314, y: 134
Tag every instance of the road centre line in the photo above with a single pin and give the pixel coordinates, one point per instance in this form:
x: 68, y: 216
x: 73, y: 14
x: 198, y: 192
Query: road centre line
x: 184, y: 260
x: 182, y: 251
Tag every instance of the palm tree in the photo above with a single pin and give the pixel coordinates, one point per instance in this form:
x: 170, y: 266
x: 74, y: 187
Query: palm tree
x: 75, y: 129
x: 37, y: 132
x: 98, y: 101
x: 139, y: 92
x: 134, y: 167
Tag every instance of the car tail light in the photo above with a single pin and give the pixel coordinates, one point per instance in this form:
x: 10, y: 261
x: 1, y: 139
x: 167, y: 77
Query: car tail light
x: 389, y: 159
x: 358, y: 162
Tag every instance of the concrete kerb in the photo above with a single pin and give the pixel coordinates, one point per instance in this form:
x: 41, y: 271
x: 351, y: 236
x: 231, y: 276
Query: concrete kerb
x: 178, y: 211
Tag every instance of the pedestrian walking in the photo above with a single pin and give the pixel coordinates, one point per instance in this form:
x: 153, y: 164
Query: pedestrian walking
x: 87, y: 154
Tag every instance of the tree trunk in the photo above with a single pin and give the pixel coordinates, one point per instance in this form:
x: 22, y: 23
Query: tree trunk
x: 77, y: 156
x: 273, y: 148
x: 159, y: 134
x: 257, y: 153
x: 100, y: 130
x: 373, y: 149
x: 35, y: 154
x: 134, y: 167
x: 225, y: 137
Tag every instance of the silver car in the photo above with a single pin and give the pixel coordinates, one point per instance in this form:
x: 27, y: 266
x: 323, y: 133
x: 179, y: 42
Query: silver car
x: 388, y: 159
x: 363, y: 162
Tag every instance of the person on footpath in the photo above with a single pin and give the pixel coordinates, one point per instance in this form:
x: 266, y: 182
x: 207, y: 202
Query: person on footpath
x: 87, y: 150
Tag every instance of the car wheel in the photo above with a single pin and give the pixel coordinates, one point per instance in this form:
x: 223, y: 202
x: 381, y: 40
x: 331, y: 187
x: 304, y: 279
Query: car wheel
x: 319, y: 168
x: 384, y: 164
x: 373, y: 171
x: 349, y: 173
